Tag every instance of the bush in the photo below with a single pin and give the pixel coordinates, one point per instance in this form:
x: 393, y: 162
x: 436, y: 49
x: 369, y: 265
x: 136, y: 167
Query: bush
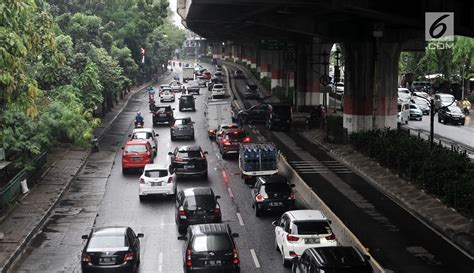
x: 255, y: 73
x: 470, y: 98
x: 266, y: 82
x: 280, y: 92
x: 444, y: 173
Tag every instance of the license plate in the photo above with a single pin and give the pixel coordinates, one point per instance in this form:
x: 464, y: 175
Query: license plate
x: 107, y: 260
x: 311, y: 241
x: 276, y: 204
x: 136, y: 158
x: 186, y: 167
x: 213, y: 263
x: 155, y: 184
x: 162, y: 115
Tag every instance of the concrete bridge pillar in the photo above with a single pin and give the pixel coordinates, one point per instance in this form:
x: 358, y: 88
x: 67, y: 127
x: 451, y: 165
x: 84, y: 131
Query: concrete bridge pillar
x: 264, y: 63
x: 236, y: 54
x: 252, y: 56
x: 370, y: 85
x: 244, y: 51
x: 276, y: 68
x: 216, y: 50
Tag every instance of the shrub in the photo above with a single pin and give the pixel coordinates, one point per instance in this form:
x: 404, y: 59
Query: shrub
x: 266, y: 82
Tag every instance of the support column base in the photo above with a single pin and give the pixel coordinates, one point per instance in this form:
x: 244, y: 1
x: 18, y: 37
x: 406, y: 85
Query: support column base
x: 356, y: 123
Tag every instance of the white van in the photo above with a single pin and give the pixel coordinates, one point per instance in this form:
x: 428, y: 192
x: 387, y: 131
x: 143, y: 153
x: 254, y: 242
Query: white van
x: 403, y: 112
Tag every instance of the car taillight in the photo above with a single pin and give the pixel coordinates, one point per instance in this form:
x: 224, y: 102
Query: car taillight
x: 292, y: 254
x: 217, y: 209
x: 128, y: 257
x: 189, y: 256
x: 170, y: 179
x: 181, y: 212
x: 86, y: 258
x: 212, y: 131
x: 259, y: 197
x: 247, y: 139
x: 226, y: 142
x: 142, y: 181
x: 236, y: 256
x: 178, y: 159
x: 290, y: 238
x: 292, y: 196
x: 331, y: 237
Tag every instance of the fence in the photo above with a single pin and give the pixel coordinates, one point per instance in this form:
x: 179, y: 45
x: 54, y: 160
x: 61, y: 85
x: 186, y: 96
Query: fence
x: 10, y: 191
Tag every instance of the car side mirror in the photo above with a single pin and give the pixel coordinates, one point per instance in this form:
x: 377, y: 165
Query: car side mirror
x: 235, y: 235
x: 218, y: 197
x: 140, y: 235
x: 205, y: 152
x: 85, y: 237
x: 182, y: 238
x: 170, y: 153
x: 275, y: 223
x: 292, y: 185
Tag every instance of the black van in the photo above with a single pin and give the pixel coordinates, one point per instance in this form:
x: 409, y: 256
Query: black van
x: 210, y: 248
x: 187, y: 102
x: 279, y: 116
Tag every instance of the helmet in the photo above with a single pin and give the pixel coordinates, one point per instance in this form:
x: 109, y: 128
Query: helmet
x: 139, y: 113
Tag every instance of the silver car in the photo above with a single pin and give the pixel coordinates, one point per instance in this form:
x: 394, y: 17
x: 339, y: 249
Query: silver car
x: 182, y: 128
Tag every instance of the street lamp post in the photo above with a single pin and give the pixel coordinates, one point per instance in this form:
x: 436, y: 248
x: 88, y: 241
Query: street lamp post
x: 432, y: 113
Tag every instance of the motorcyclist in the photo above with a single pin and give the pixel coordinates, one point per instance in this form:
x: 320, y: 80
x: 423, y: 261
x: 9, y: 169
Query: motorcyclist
x: 138, y: 119
x: 466, y: 106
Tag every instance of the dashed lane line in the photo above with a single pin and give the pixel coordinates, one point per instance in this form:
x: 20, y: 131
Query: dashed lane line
x: 255, y: 259
x: 241, y: 221
x: 230, y: 193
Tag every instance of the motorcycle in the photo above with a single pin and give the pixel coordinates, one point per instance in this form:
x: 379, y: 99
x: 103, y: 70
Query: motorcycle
x: 152, y: 105
x: 139, y: 124
x: 465, y: 111
x: 95, y: 144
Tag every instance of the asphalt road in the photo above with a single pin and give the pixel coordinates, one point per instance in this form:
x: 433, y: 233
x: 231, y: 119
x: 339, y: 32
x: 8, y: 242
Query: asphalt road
x: 101, y: 194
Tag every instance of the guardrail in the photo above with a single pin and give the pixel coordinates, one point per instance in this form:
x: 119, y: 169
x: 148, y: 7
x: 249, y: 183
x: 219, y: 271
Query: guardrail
x: 311, y: 199
x: 12, y: 189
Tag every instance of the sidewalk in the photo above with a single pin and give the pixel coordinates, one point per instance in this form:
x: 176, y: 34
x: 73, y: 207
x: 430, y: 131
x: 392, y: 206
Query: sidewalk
x: 24, y: 219
x: 446, y: 221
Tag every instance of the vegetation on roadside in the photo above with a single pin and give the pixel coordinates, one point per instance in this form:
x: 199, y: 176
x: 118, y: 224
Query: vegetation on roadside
x: 64, y: 64
x: 445, y: 173
x: 284, y: 94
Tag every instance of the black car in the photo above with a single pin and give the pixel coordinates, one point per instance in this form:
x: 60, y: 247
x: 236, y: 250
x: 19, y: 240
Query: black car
x: 332, y: 259
x: 187, y: 102
x: 452, y: 114
x: 189, y: 160
x: 162, y: 114
x: 252, y: 92
x: 279, y: 116
x: 193, y: 87
x: 210, y: 248
x: 254, y: 114
x: 213, y: 81
x: 111, y: 249
x: 197, y: 206
x: 239, y: 74
x: 272, y: 193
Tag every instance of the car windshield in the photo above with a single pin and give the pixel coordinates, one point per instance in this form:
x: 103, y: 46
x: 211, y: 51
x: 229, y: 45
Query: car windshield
x: 454, y: 110
x: 281, y: 111
x: 277, y: 187
x: 135, y: 149
x: 142, y: 135
x: 218, y: 242
x: 107, y: 241
x: 199, y: 201
x: 186, y: 98
x: 182, y: 122
x: 447, y: 99
x: 156, y: 173
x: 403, y: 95
x: 162, y: 109
x: 236, y: 135
x: 252, y: 88
x: 312, y: 227
x: 167, y: 92
x: 190, y: 154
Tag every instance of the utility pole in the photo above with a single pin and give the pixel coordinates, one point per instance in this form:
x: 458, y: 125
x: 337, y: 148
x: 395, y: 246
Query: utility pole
x: 337, y: 76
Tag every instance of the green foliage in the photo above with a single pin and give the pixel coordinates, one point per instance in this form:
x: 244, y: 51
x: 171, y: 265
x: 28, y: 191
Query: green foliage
x: 266, y: 82
x: 440, y: 171
x: 283, y: 94
x: 255, y: 73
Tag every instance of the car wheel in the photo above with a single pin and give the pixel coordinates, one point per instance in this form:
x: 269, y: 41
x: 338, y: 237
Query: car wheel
x: 194, y: 109
x: 462, y: 123
x: 181, y: 230
x: 142, y: 198
x: 173, y: 138
x: 258, y: 213
x: 124, y: 171
x: 406, y: 121
x: 205, y: 175
x: 180, y: 109
x: 192, y: 137
x: 276, y: 246
x: 286, y: 263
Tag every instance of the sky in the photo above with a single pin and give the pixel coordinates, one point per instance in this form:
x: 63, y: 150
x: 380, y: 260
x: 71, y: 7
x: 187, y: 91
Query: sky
x: 175, y: 17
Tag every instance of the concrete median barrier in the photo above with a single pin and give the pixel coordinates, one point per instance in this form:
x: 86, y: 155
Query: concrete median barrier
x: 310, y: 199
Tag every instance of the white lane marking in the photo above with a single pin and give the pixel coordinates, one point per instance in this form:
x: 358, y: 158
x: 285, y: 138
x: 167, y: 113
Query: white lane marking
x: 241, y: 221
x: 160, y: 262
x: 230, y: 193
x: 255, y: 259
x: 260, y: 138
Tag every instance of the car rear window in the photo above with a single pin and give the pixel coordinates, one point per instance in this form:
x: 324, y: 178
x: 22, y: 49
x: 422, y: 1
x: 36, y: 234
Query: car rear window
x: 218, y: 242
x: 107, y: 241
x: 312, y: 227
x: 142, y: 135
x: 182, y: 121
x: 156, y: 173
x: 190, y: 154
x: 163, y: 109
x: 138, y: 148
x: 218, y: 86
x: 236, y: 135
x: 202, y: 201
x: 281, y: 110
x: 218, y: 97
x: 186, y: 98
x: 277, y: 187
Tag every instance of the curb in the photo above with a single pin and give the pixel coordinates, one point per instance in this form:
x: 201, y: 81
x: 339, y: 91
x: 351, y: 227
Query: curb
x: 23, y: 244
x: 448, y: 237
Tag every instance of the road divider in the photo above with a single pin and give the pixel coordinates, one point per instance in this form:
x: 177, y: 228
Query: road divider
x: 306, y: 194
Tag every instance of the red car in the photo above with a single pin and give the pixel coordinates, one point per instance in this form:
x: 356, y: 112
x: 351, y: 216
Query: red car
x: 230, y: 140
x: 136, y: 154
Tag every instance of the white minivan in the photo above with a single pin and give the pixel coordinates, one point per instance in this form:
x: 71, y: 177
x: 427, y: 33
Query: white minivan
x: 403, y: 112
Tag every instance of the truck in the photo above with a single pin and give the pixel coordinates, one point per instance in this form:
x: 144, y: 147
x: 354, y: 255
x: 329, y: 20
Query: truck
x: 257, y: 159
x: 217, y: 112
x: 188, y: 74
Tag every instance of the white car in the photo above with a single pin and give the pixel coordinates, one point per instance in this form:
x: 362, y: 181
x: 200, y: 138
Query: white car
x: 148, y: 134
x: 403, y: 112
x: 415, y: 112
x: 218, y: 89
x: 297, y: 230
x: 157, y: 180
x: 176, y: 86
x: 167, y: 95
